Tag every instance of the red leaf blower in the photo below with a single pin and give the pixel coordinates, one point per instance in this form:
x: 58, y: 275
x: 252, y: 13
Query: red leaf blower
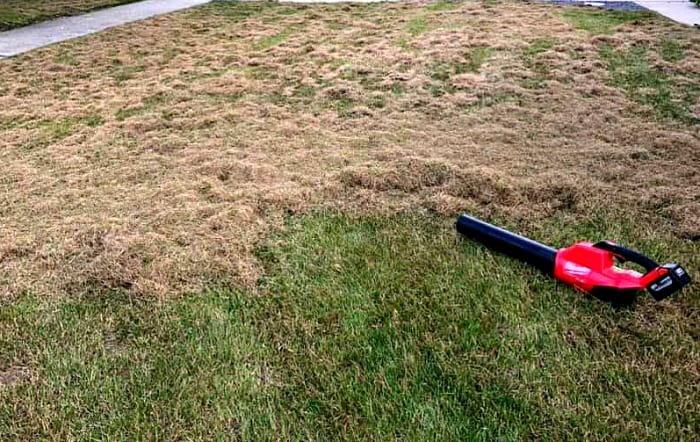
x: 586, y: 266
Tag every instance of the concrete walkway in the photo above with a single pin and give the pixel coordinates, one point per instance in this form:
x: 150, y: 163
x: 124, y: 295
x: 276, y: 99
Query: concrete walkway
x: 18, y: 41
x: 682, y: 11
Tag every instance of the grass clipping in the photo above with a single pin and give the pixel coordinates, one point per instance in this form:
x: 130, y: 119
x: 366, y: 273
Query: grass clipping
x: 152, y: 158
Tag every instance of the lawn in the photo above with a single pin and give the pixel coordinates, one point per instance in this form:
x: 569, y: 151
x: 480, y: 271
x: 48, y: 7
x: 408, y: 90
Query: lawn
x: 17, y: 13
x: 236, y: 222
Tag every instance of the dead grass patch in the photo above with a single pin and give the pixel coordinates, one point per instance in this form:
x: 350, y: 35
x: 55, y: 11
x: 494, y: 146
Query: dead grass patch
x: 12, y: 376
x: 167, y: 148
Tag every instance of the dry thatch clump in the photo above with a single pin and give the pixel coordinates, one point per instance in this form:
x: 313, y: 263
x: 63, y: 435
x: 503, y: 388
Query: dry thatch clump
x: 152, y: 157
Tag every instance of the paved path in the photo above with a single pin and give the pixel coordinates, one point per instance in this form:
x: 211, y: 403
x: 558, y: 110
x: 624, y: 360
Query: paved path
x: 18, y: 41
x: 25, y: 39
x: 682, y: 11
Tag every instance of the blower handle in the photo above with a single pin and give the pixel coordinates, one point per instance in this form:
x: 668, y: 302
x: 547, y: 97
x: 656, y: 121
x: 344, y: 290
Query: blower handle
x: 660, y: 281
x: 626, y: 254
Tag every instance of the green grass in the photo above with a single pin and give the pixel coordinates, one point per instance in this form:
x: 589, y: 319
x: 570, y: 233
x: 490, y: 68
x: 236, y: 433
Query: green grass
x: 602, y: 22
x: 305, y: 92
x: 404, y: 44
x: 149, y: 104
x: 476, y: 57
x: 530, y: 61
x: 17, y: 13
x: 671, y: 50
x: 417, y: 26
x: 650, y: 85
x: 121, y: 72
x: 538, y: 46
x: 54, y: 130
x: 57, y: 129
x: 443, y: 5
x: 113, y: 367
x: 442, y: 71
x: 384, y: 327
x: 268, y: 42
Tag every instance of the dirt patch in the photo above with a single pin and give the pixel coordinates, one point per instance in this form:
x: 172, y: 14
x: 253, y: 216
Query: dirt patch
x: 12, y: 376
x: 152, y: 157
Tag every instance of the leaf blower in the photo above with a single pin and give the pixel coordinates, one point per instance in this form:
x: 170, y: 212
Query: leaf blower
x: 589, y: 267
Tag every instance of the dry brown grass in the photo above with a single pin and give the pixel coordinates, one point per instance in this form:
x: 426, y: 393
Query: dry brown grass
x: 153, y: 157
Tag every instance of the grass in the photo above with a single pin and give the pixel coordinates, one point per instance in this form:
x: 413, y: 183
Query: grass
x: 170, y: 123
x: 52, y: 131
x: 443, y: 5
x: 539, y: 46
x: 18, y: 13
x: 125, y: 361
x: 268, y: 42
x: 207, y: 237
x: 671, y: 50
x: 445, y: 72
x: 371, y: 327
x: 149, y: 104
x: 417, y: 26
x: 475, y: 58
x: 601, y: 22
x: 649, y: 85
x: 530, y: 60
x: 274, y: 40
